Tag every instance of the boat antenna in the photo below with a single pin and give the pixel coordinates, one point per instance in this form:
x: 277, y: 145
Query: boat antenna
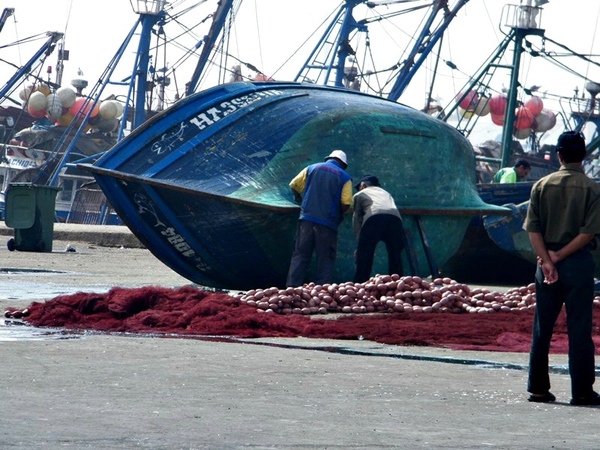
x: 63, y: 54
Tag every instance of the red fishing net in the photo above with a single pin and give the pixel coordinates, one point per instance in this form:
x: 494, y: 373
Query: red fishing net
x: 189, y: 311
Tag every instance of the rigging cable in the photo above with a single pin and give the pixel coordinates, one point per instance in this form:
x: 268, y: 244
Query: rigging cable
x: 571, y: 53
x: 188, y: 51
x: 593, y: 40
x: 319, y: 27
x: 260, y: 55
x: 59, y: 64
x: 366, y: 77
x: 429, y: 94
x: 402, y: 60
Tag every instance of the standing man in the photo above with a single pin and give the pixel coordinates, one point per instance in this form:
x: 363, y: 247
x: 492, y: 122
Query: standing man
x: 513, y: 174
x: 562, y: 220
x: 376, y: 218
x: 325, y: 192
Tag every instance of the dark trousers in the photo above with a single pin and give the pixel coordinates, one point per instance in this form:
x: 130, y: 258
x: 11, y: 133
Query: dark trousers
x: 379, y: 228
x: 574, y: 289
x: 311, y: 237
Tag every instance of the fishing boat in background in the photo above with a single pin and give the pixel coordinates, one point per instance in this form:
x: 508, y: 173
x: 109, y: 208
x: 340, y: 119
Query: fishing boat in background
x: 493, y: 243
x: 63, y: 125
x: 148, y: 84
x: 507, y: 232
x: 30, y: 133
x: 146, y: 167
x: 28, y: 155
x: 333, y: 62
x: 204, y: 185
x: 525, y: 116
x: 501, y: 241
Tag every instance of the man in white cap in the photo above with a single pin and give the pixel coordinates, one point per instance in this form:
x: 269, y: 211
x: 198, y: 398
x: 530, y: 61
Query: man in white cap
x: 325, y: 192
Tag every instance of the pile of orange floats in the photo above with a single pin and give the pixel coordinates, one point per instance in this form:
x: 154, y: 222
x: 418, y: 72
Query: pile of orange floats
x: 530, y: 116
x: 63, y: 106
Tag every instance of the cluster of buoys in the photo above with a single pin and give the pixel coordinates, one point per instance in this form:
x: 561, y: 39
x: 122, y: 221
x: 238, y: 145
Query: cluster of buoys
x: 473, y: 104
x: 63, y: 106
x: 530, y: 116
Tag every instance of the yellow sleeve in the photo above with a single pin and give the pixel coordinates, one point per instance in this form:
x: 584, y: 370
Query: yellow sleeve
x: 299, y: 181
x: 347, y: 193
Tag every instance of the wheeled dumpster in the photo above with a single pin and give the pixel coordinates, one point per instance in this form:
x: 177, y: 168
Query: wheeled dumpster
x: 30, y: 211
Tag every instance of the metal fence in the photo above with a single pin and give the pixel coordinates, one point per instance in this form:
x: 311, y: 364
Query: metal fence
x: 91, y: 207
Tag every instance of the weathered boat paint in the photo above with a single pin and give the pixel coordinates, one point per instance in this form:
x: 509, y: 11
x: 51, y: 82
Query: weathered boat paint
x: 204, y: 185
x: 507, y: 231
x: 508, y: 234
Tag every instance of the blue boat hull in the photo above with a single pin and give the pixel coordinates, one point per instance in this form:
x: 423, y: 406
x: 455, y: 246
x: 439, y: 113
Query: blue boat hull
x: 508, y: 234
x: 205, y: 184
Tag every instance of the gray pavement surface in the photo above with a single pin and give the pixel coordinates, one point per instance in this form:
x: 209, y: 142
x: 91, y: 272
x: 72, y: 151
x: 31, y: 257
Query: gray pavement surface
x: 115, y: 391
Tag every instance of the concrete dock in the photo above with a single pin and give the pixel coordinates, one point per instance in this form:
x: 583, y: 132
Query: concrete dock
x: 116, y: 391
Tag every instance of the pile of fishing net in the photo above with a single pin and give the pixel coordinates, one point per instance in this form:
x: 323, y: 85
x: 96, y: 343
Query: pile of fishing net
x: 194, y: 312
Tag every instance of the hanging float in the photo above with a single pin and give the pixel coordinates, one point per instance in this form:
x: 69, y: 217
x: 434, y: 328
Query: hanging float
x: 64, y: 106
x: 530, y: 117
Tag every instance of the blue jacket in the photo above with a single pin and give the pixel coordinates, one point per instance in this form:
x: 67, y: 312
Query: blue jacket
x: 322, y: 194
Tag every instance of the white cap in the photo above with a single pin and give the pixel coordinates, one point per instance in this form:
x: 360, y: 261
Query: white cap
x: 339, y: 155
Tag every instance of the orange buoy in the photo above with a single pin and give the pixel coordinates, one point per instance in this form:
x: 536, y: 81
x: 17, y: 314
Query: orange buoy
x: 497, y: 105
x: 534, y: 104
x: 523, y: 118
x: 497, y: 119
x: 469, y: 101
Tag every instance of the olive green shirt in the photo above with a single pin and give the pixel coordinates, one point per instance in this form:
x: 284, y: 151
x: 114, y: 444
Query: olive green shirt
x: 564, y: 204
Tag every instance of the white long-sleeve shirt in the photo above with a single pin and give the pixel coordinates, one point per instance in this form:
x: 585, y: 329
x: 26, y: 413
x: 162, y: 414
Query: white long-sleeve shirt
x: 370, y: 201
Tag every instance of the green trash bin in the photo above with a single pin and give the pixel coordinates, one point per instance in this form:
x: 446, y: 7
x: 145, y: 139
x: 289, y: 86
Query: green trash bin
x: 30, y: 211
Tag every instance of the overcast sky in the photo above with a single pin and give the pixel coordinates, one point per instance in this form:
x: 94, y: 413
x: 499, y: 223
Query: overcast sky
x: 272, y: 29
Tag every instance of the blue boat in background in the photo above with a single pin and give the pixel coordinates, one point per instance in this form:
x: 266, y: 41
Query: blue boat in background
x: 204, y: 184
x: 508, y: 234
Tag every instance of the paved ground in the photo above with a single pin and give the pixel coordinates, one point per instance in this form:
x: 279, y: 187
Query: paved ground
x: 103, y: 257
x: 120, y: 391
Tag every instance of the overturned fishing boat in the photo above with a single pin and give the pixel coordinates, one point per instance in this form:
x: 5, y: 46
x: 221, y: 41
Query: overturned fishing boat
x: 204, y: 185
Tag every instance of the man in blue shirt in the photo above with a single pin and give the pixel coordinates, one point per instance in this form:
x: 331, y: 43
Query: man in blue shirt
x: 325, y: 192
